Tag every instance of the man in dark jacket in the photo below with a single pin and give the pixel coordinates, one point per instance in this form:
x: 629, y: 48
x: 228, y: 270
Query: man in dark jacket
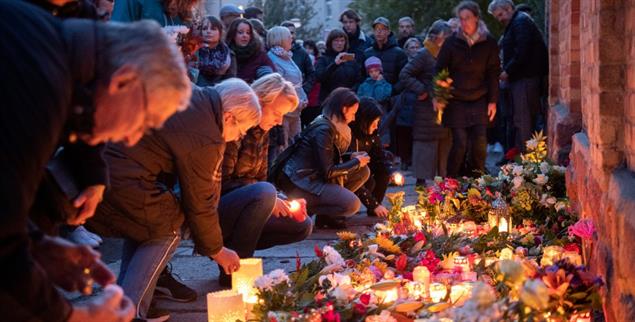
x: 385, y: 48
x: 302, y: 59
x: 471, y: 57
x: 52, y: 90
x: 525, y: 63
x: 143, y: 208
x: 357, y: 40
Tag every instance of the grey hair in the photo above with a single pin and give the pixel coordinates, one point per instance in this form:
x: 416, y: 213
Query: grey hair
x: 499, y: 4
x: 270, y: 86
x: 276, y: 35
x: 160, y: 63
x: 411, y: 40
x: 407, y: 19
x: 439, y: 28
x: 239, y: 100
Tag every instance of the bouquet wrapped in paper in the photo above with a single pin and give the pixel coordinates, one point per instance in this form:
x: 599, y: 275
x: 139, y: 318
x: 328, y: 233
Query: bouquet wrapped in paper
x: 442, y: 86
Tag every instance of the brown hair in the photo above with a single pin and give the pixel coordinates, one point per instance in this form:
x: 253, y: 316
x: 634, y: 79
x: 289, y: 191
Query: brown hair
x: 233, y: 30
x: 350, y: 14
x: 468, y: 5
x: 183, y: 8
x: 214, y: 22
x: 334, y: 34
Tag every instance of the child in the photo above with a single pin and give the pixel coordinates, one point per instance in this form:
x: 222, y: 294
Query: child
x: 375, y: 85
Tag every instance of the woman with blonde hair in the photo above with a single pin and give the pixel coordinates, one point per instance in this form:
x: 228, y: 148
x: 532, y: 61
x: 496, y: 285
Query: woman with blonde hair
x: 245, y: 193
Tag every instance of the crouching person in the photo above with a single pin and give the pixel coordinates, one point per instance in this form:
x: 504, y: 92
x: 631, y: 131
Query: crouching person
x: 247, y: 199
x: 142, y: 206
x: 314, y: 168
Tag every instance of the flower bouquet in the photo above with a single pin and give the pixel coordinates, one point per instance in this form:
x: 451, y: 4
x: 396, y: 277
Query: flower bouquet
x: 442, y: 86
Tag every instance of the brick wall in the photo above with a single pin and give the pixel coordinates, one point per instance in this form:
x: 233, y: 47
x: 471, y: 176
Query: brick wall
x: 594, y: 90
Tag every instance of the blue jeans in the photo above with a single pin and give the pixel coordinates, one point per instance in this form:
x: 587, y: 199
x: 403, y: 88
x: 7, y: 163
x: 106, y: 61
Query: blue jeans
x: 243, y: 213
x: 141, y: 265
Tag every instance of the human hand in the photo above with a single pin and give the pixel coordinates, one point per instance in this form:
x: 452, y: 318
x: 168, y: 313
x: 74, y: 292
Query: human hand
x: 503, y: 76
x: 423, y: 96
x: 381, y: 211
x: 362, y: 157
x: 110, y: 306
x: 338, y: 58
x: 228, y: 260
x: 70, y: 266
x: 281, y: 209
x: 491, y: 111
x: 87, y: 202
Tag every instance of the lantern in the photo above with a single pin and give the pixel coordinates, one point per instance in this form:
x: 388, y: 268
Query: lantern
x: 243, y: 279
x: 225, y: 306
x: 500, y: 216
x: 438, y: 291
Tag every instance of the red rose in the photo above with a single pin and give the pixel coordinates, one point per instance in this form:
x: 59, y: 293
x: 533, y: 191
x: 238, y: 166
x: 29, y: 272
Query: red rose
x: 512, y: 153
x: 365, y: 298
x: 401, y: 262
x: 360, y: 309
x: 331, y: 316
x: 572, y: 247
x: 419, y: 236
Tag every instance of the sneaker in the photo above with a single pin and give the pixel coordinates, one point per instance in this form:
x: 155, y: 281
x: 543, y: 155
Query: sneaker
x: 155, y: 314
x: 169, y: 288
x: 82, y: 236
x: 326, y: 222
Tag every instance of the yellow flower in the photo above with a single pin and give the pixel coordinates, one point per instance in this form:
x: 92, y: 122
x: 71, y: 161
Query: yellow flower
x: 387, y: 244
x: 535, y: 295
x: 346, y: 235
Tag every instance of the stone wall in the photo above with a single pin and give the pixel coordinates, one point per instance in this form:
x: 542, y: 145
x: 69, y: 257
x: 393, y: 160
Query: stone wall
x: 592, y: 92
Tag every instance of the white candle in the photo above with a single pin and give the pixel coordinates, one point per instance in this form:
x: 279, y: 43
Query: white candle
x: 225, y: 306
x: 243, y: 279
x: 421, y: 274
x: 438, y: 292
x: 503, y: 225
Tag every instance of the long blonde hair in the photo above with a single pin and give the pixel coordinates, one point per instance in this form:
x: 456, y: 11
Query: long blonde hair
x: 270, y: 86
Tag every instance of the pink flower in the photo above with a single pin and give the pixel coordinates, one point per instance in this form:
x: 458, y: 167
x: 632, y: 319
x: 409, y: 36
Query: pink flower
x: 584, y: 229
x: 452, y: 184
x: 435, y: 197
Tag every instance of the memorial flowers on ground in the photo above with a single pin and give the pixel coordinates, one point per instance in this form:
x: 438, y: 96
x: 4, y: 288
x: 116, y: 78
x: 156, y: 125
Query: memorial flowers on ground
x: 443, y: 259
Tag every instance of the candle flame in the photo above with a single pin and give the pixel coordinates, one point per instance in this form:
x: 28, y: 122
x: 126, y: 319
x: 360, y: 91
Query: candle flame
x: 294, y: 205
x: 398, y: 179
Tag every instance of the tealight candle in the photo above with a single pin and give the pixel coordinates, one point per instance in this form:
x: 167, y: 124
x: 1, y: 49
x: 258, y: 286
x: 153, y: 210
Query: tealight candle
x: 462, y: 262
x: 388, y: 296
x: 438, y: 292
x: 225, y: 306
x: 243, y: 279
x: 398, y: 178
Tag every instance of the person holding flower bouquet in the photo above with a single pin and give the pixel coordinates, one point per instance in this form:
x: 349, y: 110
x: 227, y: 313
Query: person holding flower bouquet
x: 470, y: 56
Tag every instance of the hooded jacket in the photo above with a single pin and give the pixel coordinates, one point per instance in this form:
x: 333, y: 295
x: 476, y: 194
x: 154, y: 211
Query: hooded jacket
x: 331, y: 75
x: 393, y: 58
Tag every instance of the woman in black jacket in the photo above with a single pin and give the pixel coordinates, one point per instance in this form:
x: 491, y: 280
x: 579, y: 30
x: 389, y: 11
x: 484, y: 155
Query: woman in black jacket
x: 337, y: 68
x: 471, y: 57
x: 142, y: 204
x: 431, y: 141
x: 215, y: 61
x: 366, y: 139
x: 313, y: 167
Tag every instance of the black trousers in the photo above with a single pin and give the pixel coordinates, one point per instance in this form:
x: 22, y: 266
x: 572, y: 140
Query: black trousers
x: 474, y: 140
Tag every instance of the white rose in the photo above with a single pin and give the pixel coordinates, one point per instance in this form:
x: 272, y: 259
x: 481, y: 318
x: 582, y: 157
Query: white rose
x: 541, y: 179
x: 264, y: 283
x: 518, y: 170
x: 518, y: 181
x: 560, y: 205
x: 544, y: 167
x: 531, y: 144
x: 278, y: 276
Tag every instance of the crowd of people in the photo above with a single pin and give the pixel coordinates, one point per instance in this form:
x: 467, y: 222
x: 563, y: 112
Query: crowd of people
x: 115, y: 129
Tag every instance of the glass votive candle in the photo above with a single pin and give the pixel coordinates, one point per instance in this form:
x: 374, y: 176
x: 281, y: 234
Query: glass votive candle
x: 438, y: 291
x: 243, y: 279
x: 225, y: 306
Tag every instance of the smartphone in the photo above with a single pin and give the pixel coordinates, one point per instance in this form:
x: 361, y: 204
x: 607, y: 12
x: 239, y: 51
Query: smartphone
x: 348, y: 57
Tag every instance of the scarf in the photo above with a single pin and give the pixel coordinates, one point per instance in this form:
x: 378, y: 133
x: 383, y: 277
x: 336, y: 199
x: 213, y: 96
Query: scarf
x: 432, y: 47
x: 345, y: 134
x: 280, y: 52
x: 480, y: 34
x: 214, y: 61
x: 245, y: 53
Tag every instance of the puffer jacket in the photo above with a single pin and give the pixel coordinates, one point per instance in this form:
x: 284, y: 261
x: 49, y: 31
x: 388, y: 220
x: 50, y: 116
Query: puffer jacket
x: 524, y: 50
x: 314, y: 159
x: 393, y: 59
x: 141, y: 204
x: 245, y: 161
x: 331, y: 75
x: 417, y: 77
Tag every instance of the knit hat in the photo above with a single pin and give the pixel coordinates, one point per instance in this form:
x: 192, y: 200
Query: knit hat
x: 373, y: 62
x: 230, y: 10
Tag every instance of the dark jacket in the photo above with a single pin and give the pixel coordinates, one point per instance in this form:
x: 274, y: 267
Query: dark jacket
x: 189, y: 149
x: 303, y: 61
x: 393, y: 59
x: 474, y: 69
x: 37, y: 88
x: 379, y: 165
x: 245, y: 161
x: 357, y: 44
x: 211, y: 80
x: 524, y: 49
x: 331, y: 76
x: 133, y: 10
x: 314, y: 160
x: 416, y: 77
x: 251, y: 68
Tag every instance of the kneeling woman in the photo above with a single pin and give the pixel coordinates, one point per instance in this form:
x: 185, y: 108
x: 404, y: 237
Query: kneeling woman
x: 142, y: 205
x: 313, y: 167
x: 366, y: 139
x: 247, y: 199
